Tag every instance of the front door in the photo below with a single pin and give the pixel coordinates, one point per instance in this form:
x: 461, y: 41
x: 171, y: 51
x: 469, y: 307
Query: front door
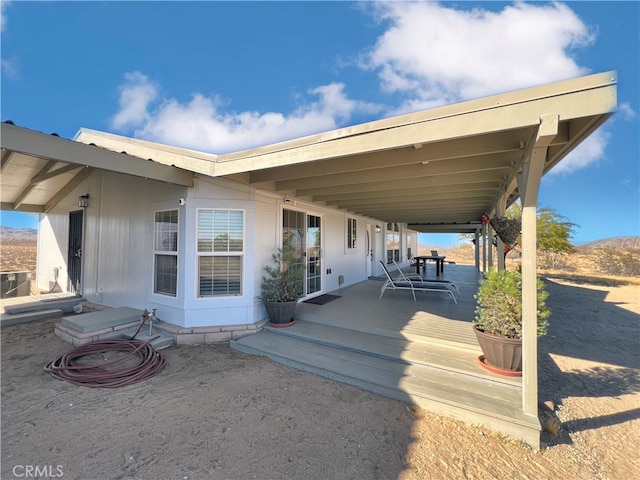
x: 74, y: 255
x: 368, y: 246
x: 303, y: 233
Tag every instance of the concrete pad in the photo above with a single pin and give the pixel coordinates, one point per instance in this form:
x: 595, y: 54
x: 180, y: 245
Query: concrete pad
x: 16, y: 318
x: 109, y: 318
x: 64, y: 304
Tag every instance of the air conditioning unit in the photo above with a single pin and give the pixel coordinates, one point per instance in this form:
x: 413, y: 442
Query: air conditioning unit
x: 15, y: 284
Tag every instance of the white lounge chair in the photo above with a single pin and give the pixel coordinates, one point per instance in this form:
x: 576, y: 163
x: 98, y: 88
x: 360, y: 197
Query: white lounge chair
x: 395, y: 284
x: 415, y: 278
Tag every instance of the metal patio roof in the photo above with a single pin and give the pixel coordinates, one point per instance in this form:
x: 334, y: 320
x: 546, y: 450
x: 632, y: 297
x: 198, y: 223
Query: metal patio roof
x: 437, y: 170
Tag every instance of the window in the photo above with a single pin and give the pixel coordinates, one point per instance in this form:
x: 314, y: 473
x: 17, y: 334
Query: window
x: 220, y: 252
x: 165, y: 250
x: 352, y: 233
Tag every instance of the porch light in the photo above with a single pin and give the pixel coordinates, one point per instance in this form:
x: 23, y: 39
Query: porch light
x: 83, y: 200
x: 378, y: 229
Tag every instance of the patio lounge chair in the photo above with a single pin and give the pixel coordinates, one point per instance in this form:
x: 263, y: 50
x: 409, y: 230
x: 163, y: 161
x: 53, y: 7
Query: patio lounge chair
x: 395, y: 284
x: 415, y: 278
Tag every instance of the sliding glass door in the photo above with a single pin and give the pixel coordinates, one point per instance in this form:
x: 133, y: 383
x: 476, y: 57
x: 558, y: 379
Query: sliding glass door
x: 303, y: 233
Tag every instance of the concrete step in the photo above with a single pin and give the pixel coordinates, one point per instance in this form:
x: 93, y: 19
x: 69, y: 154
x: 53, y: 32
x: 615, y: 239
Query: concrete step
x: 96, y: 321
x: 65, y: 304
x: 157, y: 339
x: 471, y: 398
x: 7, y: 319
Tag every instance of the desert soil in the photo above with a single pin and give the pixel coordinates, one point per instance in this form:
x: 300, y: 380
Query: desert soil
x: 214, y: 413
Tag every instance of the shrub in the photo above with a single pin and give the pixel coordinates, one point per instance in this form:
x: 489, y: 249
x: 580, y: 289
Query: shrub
x: 283, y: 282
x: 499, y: 308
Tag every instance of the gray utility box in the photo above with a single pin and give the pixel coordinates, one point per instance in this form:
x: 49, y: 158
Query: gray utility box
x: 15, y: 284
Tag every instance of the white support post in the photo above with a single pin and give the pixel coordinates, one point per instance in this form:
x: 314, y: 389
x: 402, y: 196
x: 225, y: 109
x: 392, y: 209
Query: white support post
x: 528, y: 187
x: 490, y: 244
x: 484, y: 248
x: 500, y: 209
x: 477, y: 248
x: 529, y: 312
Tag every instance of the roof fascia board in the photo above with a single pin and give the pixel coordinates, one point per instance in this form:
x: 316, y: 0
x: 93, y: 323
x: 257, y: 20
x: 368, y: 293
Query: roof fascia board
x: 533, y: 93
x: 279, y: 154
x: 526, y: 113
x: 187, y: 159
x: 46, y: 146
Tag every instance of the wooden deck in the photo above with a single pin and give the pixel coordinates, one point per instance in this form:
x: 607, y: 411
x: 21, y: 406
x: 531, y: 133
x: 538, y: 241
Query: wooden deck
x: 421, y: 352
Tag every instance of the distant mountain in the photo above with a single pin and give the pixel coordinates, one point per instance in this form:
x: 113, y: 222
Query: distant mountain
x: 13, y: 235
x: 618, y: 243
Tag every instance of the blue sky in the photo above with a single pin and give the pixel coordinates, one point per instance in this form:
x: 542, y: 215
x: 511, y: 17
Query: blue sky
x: 224, y: 76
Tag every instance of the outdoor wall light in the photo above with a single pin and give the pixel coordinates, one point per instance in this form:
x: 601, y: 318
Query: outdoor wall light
x: 83, y: 200
x: 378, y: 229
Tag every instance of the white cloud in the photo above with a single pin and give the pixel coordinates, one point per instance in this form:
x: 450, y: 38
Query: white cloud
x: 201, y: 123
x: 135, y: 96
x: 625, y: 110
x: 3, y: 16
x: 428, y: 55
x: 589, y: 152
x: 8, y: 67
x: 438, y: 55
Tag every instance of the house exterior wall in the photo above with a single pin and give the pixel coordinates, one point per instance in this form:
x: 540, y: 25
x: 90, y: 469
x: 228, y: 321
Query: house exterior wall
x: 117, y: 257
x: 118, y: 248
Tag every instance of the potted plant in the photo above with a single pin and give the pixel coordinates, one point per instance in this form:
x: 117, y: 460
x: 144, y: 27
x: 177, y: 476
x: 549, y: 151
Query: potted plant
x: 282, y: 287
x: 498, y: 325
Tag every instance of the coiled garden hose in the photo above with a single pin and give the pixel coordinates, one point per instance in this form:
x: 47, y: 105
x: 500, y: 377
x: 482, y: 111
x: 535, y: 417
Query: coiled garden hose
x: 115, y: 373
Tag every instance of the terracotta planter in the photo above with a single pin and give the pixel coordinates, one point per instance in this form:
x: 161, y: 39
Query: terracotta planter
x: 281, y: 313
x: 500, y: 352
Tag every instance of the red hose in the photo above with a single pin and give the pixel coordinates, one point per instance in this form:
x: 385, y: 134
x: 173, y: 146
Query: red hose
x: 69, y: 368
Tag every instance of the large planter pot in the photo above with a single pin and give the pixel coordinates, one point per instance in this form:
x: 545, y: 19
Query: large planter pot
x: 503, y: 354
x: 281, y: 313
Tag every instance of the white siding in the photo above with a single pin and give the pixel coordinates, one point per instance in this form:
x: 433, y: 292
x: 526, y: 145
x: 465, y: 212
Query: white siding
x: 118, y: 246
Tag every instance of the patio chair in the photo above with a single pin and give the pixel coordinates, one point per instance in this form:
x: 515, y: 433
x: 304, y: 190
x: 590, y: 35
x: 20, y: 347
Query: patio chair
x: 395, y: 284
x: 415, y: 278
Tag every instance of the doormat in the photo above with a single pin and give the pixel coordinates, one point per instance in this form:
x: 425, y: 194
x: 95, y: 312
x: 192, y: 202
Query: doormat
x: 322, y: 299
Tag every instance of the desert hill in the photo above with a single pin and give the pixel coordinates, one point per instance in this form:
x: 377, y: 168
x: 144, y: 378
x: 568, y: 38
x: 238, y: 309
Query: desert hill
x: 18, y: 235
x: 618, y: 243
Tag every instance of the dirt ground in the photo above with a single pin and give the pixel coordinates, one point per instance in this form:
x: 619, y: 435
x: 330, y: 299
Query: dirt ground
x: 214, y: 413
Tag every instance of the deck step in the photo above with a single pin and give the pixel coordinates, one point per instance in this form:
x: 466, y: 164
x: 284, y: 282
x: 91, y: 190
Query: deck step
x: 392, y: 347
x: 449, y: 334
x: 406, y: 372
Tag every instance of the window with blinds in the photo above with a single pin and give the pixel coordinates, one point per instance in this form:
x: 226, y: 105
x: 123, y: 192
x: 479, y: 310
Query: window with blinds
x: 220, y: 252
x: 165, y: 250
x: 352, y: 231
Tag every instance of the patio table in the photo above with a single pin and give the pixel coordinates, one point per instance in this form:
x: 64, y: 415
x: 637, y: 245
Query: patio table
x: 422, y: 259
